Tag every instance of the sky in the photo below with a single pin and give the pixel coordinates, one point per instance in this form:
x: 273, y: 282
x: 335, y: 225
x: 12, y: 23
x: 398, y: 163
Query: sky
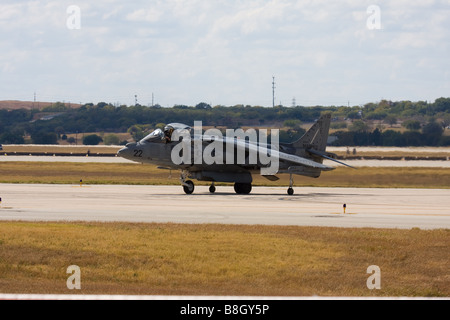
x: 321, y: 52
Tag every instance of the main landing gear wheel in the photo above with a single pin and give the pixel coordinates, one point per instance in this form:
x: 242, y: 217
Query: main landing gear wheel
x: 242, y: 188
x: 212, y: 189
x: 188, y: 187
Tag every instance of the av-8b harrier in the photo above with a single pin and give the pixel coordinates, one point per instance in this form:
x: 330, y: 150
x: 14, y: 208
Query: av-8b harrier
x: 210, y: 156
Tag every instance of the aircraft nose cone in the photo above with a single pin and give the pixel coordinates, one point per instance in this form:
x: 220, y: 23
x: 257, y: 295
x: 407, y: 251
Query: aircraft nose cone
x: 123, y: 152
x: 127, y: 152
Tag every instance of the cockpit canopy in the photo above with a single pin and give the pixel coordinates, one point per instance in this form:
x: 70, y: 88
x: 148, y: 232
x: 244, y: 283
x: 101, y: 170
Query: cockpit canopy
x: 160, y: 135
x: 178, y: 126
x: 157, y: 134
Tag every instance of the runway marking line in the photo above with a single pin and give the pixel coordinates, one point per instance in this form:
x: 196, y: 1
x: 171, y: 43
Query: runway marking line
x: 401, y: 214
x: 344, y: 214
x: 416, y: 214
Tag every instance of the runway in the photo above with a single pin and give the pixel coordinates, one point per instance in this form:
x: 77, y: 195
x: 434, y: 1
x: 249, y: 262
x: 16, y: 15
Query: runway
x: 377, y: 208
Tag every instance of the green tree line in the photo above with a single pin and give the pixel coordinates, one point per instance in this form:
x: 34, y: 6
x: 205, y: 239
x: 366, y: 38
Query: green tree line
x: 430, y: 135
x: 15, y: 125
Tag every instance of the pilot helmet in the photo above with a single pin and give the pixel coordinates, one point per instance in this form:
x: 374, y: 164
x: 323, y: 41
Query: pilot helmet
x: 168, y: 130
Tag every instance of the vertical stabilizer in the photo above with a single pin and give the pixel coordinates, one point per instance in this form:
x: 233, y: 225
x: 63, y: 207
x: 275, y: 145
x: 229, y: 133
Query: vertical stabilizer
x: 316, y: 137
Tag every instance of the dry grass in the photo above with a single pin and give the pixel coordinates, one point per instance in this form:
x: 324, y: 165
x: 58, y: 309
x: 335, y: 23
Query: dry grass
x: 395, y: 152
x: 92, y: 173
x: 65, y: 149
x: 108, y: 173
x: 124, y: 258
x: 382, y: 177
x: 16, y: 104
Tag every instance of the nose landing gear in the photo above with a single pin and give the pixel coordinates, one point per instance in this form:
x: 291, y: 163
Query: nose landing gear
x: 188, y: 185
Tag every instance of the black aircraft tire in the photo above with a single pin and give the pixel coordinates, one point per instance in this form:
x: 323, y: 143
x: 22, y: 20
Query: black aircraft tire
x: 189, y: 188
x: 212, y: 189
x: 242, y: 188
x: 290, y: 191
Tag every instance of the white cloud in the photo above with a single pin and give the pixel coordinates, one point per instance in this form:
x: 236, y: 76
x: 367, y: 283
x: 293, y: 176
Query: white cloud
x: 226, y: 51
x: 145, y: 15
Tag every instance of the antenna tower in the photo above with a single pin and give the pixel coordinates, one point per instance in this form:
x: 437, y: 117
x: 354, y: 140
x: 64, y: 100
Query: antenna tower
x: 273, y: 91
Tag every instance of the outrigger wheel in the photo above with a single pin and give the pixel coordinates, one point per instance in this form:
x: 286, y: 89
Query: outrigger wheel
x: 188, y: 187
x: 290, y: 190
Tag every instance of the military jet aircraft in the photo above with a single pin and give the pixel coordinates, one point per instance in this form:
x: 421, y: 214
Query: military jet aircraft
x: 165, y: 149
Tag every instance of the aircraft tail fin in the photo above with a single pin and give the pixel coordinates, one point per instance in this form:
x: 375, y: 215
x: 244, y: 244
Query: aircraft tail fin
x: 316, y: 137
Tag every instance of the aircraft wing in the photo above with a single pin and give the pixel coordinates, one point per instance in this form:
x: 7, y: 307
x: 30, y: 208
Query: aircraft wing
x: 325, y: 156
x: 273, y: 154
x: 303, y: 161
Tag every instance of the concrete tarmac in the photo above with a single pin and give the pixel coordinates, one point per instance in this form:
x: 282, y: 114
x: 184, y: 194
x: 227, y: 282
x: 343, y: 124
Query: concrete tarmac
x: 377, y: 208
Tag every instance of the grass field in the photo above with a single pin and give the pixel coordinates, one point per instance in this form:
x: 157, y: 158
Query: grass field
x: 421, y: 152
x: 66, y: 149
x: 173, y: 259
x: 109, y: 173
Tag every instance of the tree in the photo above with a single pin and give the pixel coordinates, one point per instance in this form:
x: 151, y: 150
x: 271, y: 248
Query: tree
x: 92, y: 140
x: 59, y: 131
x: 433, y: 133
x: 377, y: 115
x: 414, y: 138
x: 446, y: 120
x: 376, y: 137
x: 136, y: 133
x: 11, y: 138
x: 202, y: 105
x: 112, y: 139
x: 292, y: 123
x: 412, y: 125
x: 442, y: 104
x: 354, y: 115
x: 393, y: 138
x: 359, y: 126
x: 390, y: 119
x: 42, y: 137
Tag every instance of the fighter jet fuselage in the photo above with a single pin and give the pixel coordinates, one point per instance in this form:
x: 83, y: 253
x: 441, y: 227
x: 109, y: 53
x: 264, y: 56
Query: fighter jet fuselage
x: 212, y: 156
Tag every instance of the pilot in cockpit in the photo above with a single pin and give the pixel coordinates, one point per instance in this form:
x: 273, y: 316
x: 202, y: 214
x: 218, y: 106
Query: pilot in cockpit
x: 168, y: 133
